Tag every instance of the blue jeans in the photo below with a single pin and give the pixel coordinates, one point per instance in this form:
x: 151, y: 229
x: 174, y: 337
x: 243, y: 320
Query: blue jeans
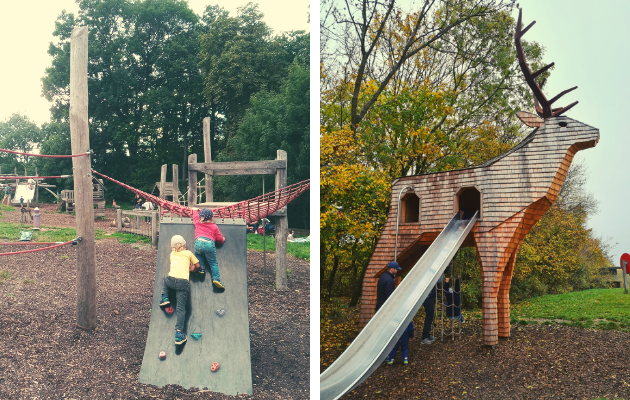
x: 181, y: 288
x: 429, y: 308
x: 206, y: 252
x: 405, y: 350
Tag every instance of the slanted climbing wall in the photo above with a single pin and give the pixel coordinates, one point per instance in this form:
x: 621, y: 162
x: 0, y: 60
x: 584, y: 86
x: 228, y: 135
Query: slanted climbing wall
x: 223, y: 338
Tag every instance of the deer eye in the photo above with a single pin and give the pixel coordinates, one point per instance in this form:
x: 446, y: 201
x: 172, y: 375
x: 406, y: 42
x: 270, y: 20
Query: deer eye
x: 563, y: 124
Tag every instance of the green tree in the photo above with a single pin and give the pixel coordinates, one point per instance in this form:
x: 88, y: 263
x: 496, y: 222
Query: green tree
x: 275, y: 121
x: 239, y: 57
x: 145, y: 102
x: 18, y: 133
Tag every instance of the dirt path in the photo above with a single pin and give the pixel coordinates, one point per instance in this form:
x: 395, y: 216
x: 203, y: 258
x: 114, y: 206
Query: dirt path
x: 45, y: 356
x: 536, y: 362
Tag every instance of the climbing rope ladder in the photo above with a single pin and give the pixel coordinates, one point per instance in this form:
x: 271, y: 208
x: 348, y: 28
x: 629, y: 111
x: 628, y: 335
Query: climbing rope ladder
x: 448, y: 303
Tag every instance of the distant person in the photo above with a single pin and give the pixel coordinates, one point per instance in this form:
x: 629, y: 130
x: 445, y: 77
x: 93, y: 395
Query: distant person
x: 429, y: 308
x: 182, y: 263
x: 403, y: 344
x: 290, y: 236
x: 137, y: 203
x: 207, y: 235
x: 21, y: 201
x: 385, y: 286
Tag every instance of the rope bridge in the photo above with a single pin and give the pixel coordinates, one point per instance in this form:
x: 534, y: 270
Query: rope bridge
x: 250, y: 210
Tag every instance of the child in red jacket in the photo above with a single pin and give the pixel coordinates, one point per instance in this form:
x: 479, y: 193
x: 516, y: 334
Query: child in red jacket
x: 206, y: 235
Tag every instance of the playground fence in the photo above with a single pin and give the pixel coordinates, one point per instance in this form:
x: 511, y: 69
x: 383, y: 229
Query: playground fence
x: 139, y: 222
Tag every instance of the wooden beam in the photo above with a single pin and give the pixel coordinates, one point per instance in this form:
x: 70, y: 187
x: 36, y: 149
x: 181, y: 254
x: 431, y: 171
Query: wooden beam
x: 80, y: 141
x: 207, y: 153
x: 175, y: 184
x: 281, y: 228
x: 239, y: 167
x: 192, y: 181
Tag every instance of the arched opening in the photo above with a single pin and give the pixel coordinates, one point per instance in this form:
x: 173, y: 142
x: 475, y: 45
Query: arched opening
x: 469, y: 201
x: 410, y: 208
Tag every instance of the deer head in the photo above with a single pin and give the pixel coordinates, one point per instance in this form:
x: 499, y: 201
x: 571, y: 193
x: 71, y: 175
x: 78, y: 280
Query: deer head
x: 543, y: 106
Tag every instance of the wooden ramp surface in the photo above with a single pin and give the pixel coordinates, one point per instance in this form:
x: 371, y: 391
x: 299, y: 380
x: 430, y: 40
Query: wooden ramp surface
x: 224, y: 339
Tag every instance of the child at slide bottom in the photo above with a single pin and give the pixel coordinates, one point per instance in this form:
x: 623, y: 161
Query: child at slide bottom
x: 206, y: 235
x: 403, y: 343
x: 182, y: 263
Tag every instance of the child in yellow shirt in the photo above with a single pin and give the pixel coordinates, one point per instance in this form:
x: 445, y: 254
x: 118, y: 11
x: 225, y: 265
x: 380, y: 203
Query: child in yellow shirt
x: 182, y: 263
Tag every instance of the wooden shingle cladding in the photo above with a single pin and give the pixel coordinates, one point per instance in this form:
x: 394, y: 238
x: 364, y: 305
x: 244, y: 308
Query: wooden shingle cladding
x: 516, y: 189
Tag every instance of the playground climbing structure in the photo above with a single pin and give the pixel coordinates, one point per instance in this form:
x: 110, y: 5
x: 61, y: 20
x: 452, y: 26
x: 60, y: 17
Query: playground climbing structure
x: 510, y: 192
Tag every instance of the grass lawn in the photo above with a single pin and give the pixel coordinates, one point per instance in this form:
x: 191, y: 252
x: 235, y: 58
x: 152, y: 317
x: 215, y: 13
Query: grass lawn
x: 595, y: 308
x: 300, y: 250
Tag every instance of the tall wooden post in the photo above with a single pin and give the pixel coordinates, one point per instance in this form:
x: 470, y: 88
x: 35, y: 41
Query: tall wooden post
x: 175, y: 184
x: 154, y: 219
x: 207, y: 147
x: 80, y: 140
x: 192, y: 182
x: 281, y: 229
x: 163, y: 181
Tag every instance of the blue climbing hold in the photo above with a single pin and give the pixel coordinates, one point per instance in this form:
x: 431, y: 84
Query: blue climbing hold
x: 220, y: 312
x: 196, y: 336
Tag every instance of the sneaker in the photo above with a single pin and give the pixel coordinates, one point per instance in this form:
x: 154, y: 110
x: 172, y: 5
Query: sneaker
x: 432, y: 338
x: 390, y: 362
x: 405, y: 361
x: 165, y: 302
x: 218, y: 284
x: 202, y: 270
x: 426, y: 341
x: 180, y: 337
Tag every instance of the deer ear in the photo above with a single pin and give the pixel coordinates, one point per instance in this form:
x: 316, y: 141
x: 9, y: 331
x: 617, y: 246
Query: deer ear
x: 529, y: 119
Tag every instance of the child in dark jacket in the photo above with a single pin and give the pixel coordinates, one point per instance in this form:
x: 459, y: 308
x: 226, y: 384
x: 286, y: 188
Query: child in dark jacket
x: 453, y: 300
x: 403, y: 343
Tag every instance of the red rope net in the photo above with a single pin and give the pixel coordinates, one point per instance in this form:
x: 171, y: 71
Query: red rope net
x: 250, y: 210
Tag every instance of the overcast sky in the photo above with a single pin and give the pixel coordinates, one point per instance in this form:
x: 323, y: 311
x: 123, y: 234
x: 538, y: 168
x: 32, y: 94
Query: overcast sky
x: 588, y: 41
x: 26, y: 30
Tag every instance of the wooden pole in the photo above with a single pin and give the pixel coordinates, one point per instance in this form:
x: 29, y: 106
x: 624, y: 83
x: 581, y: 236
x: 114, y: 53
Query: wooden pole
x: 192, y: 182
x: 80, y: 141
x: 207, y: 157
x: 281, y: 229
x: 119, y: 219
x: 624, y: 265
x: 175, y: 184
x: 162, y: 187
x: 154, y: 218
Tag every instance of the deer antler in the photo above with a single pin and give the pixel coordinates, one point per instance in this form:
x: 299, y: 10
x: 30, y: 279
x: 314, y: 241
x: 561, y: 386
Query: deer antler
x: 543, y: 106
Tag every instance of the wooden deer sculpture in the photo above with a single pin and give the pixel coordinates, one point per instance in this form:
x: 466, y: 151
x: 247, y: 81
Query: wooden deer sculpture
x: 511, y: 192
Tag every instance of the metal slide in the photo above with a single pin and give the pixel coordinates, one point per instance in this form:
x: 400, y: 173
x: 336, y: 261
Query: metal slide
x: 27, y: 191
x: 379, y: 336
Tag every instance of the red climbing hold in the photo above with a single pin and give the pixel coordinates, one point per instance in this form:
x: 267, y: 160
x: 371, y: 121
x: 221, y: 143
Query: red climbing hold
x: 214, y: 367
x: 162, y: 355
x: 169, y: 310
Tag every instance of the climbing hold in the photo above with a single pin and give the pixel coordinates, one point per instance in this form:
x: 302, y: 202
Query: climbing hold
x: 196, y: 336
x: 214, y: 367
x: 220, y: 312
x: 162, y: 355
x: 169, y: 310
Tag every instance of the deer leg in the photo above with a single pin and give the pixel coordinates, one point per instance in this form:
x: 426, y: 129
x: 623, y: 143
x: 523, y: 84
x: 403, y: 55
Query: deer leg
x: 495, y: 250
x: 503, y: 303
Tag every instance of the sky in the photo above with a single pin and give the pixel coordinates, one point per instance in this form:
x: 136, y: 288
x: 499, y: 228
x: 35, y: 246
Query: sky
x: 26, y: 30
x: 588, y: 41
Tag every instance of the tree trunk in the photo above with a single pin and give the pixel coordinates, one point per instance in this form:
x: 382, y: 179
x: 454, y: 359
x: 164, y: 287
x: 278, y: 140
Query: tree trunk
x: 331, y: 280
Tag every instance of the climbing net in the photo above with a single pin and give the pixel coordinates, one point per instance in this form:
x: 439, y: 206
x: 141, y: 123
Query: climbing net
x: 250, y: 210
x: 449, y: 301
